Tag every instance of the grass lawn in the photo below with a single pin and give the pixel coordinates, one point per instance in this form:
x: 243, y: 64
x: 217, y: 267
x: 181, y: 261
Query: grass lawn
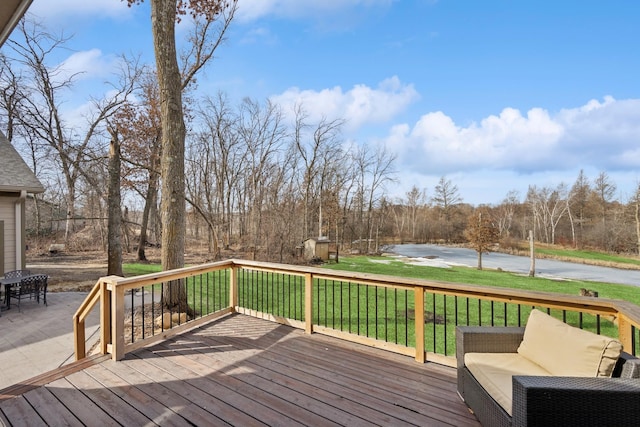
x: 584, y: 256
x: 473, y: 276
x: 388, y: 314
x: 138, y: 269
x: 465, y: 275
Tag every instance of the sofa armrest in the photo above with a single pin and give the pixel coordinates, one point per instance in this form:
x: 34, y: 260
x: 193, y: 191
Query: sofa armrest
x: 553, y: 401
x: 486, y: 339
x: 628, y: 366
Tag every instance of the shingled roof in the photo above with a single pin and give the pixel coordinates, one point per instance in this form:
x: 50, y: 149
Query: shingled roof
x: 15, y: 175
x: 10, y: 13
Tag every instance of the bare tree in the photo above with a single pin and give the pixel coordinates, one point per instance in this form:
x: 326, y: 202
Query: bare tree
x: 40, y: 114
x: 636, y: 204
x: 578, y: 207
x: 262, y: 133
x: 446, y: 197
x: 172, y: 81
x: 415, y: 199
x: 604, y: 190
x: 548, y: 206
x: 320, y: 154
x: 221, y: 147
x: 215, y: 161
x: 382, y: 172
x: 374, y: 169
x: 114, y: 248
x: 506, y: 212
x: 11, y: 95
x: 138, y: 125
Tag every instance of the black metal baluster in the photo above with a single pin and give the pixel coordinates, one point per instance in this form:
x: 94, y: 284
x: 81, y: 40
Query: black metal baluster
x: 406, y: 316
x: 435, y: 331
x: 445, y: 323
x: 133, y: 317
x: 366, y: 308
x: 143, y: 317
x: 386, y: 314
x: 395, y: 301
x: 468, y: 311
x: 505, y: 314
x: 493, y: 314
x: 376, y: 305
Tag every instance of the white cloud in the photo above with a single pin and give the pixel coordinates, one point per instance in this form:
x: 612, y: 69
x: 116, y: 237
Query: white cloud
x: 87, y: 64
x: 599, y: 134
x: 605, y: 130
x: 358, y: 106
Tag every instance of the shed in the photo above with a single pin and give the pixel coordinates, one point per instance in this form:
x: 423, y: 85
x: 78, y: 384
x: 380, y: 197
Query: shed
x: 316, y: 248
x: 16, y: 181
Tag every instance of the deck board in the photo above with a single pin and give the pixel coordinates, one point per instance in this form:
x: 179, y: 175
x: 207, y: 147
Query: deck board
x: 49, y: 408
x: 174, y: 403
x: 307, y: 380
x: 250, y: 372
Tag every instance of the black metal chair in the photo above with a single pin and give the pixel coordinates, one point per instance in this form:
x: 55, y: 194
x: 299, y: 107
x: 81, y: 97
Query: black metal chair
x: 14, y: 274
x: 31, y: 286
x: 42, y: 288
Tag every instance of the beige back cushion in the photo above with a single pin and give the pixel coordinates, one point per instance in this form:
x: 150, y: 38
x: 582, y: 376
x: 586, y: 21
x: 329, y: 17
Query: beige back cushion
x: 564, y: 350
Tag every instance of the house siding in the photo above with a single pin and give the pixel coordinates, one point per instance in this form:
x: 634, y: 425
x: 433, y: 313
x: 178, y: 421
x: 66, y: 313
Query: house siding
x: 16, y: 181
x: 8, y: 216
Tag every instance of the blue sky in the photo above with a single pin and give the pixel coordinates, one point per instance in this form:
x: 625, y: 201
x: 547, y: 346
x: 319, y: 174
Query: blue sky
x: 495, y: 95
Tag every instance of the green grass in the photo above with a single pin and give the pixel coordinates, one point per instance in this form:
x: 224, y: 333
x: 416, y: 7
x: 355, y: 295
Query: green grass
x: 139, y: 269
x: 465, y: 275
x: 485, y: 311
x: 592, y: 256
x: 388, y: 314
x: 473, y: 276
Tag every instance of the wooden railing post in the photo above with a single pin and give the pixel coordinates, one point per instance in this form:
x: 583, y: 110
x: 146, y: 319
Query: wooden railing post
x: 308, y: 303
x: 625, y: 334
x: 105, y: 317
x: 80, y: 338
x: 419, y: 326
x: 233, y: 287
x: 117, y: 322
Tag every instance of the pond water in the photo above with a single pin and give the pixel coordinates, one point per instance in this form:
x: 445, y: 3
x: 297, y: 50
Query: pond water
x: 439, y: 255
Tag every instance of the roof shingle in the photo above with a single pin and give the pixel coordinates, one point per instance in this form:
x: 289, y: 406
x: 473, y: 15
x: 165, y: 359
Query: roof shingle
x: 15, y: 175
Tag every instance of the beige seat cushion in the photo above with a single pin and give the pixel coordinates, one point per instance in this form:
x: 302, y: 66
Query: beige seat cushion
x: 564, y: 350
x: 494, y: 371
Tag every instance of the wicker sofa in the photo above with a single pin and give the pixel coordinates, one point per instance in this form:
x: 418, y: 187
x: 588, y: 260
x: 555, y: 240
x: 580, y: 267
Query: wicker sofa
x: 545, y: 400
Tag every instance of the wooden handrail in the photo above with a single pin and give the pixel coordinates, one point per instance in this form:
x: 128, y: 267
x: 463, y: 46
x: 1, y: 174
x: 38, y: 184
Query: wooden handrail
x: 79, y: 318
x: 114, y: 287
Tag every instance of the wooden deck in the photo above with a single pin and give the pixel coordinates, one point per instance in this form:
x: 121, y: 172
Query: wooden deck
x: 247, y: 372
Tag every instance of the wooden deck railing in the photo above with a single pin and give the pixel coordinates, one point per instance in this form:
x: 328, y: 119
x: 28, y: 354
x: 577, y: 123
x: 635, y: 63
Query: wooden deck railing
x: 370, y: 309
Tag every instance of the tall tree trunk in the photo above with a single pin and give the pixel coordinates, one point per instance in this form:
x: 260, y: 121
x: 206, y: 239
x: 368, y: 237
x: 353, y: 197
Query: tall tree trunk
x: 163, y: 19
x: 69, y: 223
x: 114, y: 239
x: 532, y: 255
x: 638, y: 221
x: 150, y: 200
